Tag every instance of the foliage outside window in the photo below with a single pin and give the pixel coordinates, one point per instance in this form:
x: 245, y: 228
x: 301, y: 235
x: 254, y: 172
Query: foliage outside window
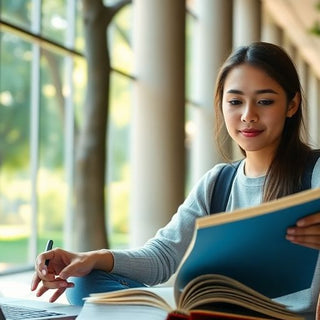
x: 44, y: 139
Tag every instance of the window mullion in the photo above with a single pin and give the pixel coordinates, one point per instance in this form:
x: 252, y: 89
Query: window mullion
x: 69, y: 124
x: 34, y: 128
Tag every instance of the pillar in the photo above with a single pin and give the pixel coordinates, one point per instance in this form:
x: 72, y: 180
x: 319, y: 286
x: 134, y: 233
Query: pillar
x: 213, y: 43
x: 158, y: 116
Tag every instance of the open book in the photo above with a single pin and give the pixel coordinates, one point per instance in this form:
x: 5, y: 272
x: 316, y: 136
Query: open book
x: 235, y: 264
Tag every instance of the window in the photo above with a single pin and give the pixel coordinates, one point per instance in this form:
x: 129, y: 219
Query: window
x: 41, y: 99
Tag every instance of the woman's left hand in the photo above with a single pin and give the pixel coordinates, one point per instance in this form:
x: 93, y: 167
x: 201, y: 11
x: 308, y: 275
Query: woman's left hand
x: 306, y: 232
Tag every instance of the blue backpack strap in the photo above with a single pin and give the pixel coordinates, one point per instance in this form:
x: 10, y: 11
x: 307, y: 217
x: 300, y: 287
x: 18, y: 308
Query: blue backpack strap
x: 222, y: 187
x: 306, y: 181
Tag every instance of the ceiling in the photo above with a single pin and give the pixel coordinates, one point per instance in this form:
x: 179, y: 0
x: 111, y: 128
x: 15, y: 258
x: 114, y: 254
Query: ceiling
x: 296, y: 18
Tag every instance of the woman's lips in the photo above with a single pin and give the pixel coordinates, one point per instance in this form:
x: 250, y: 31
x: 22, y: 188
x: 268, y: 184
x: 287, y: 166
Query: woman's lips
x: 250, y: 133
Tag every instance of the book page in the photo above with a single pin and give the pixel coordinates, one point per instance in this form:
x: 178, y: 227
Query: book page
x: 216, y: 293
x: 160, y: 297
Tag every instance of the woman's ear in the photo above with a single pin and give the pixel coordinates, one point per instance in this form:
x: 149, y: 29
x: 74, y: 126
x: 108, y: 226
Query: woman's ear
x: 294, y: 105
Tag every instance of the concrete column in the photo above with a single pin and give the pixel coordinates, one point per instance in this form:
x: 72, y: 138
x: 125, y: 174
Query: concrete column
x: 213, y: 43
x: 246, y: 22
x: 158, y: 116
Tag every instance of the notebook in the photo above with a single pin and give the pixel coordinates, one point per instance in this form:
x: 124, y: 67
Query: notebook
x: 14, y: 309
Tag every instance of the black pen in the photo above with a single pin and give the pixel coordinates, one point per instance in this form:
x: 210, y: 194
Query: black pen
x: 48, y: 247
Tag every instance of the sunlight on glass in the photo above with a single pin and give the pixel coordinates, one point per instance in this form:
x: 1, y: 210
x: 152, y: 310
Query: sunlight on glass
x: 121, y: 116
x: 79, y: 75
x: 15, y: 216
x: 66, y: 90
x: 58, y: 22
x: 190, y: 128
x: 6, y: 99
x: 124, y: 56
x: 13, y: 231
x: 49, y: 90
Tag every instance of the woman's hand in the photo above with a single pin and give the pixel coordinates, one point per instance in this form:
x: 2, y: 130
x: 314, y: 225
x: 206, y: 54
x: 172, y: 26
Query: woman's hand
x: 306, y: 232
x: 64, y: 264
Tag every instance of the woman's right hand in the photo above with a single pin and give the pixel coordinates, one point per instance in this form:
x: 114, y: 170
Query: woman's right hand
x: 64, y: 264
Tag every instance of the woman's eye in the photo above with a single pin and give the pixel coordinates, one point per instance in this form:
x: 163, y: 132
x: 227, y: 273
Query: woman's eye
x: 265, y: 102
x: 234, y: 102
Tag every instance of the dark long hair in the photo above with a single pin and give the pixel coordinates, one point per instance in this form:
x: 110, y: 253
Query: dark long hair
x: 285, y: 173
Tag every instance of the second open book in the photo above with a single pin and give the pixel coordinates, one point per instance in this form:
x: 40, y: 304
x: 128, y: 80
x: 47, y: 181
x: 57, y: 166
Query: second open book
x: 235, y: 264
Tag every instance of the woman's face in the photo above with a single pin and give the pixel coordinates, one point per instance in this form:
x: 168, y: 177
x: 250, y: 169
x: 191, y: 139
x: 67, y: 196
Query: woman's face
x: 255, y: 108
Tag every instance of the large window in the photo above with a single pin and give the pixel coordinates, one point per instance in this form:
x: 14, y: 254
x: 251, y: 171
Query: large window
x: 42, y: 85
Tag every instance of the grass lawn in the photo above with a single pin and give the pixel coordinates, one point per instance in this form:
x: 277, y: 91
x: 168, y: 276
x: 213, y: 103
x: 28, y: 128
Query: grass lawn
x: 14, y: 250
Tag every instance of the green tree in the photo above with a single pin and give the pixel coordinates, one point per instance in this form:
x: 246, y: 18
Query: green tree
x: 90, y: 170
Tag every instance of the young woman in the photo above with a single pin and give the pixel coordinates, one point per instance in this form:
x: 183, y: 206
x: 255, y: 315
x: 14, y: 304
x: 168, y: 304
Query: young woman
x: 258, y: 98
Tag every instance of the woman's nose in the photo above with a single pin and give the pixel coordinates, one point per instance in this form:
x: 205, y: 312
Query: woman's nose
x: 249, y: 114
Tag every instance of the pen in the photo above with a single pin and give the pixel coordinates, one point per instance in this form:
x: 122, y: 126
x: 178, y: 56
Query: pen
x: 48, y: 247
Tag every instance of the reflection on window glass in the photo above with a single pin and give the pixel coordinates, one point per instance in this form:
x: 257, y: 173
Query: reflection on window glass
x: 17, y: 12
x: 15, y: 210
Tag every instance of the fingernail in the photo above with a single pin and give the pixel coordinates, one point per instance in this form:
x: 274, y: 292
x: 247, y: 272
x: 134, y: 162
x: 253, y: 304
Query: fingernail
x: 290, y: 231
x: 44, y: 272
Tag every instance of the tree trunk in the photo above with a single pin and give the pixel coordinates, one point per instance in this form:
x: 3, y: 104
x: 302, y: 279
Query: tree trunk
x: 90, y: 172
x: 90, y: 161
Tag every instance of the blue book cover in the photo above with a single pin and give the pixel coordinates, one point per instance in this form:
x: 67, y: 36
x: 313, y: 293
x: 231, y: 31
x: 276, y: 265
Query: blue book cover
x: 249, y: 245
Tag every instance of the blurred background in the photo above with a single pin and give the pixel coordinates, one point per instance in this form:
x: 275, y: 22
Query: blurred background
x: 106, y: 111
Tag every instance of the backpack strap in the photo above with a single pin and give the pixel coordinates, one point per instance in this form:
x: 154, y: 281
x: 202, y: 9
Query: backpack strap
x: 220, y: 194
x: 313, y: 158
x: 222, y: 187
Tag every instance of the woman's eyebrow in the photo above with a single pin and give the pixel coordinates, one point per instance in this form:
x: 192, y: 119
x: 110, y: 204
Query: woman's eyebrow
x: 266, y: 91
x: 261, y: 91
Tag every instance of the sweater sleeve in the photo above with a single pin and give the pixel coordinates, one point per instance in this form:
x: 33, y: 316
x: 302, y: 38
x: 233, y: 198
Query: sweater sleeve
x: 159, y: 258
